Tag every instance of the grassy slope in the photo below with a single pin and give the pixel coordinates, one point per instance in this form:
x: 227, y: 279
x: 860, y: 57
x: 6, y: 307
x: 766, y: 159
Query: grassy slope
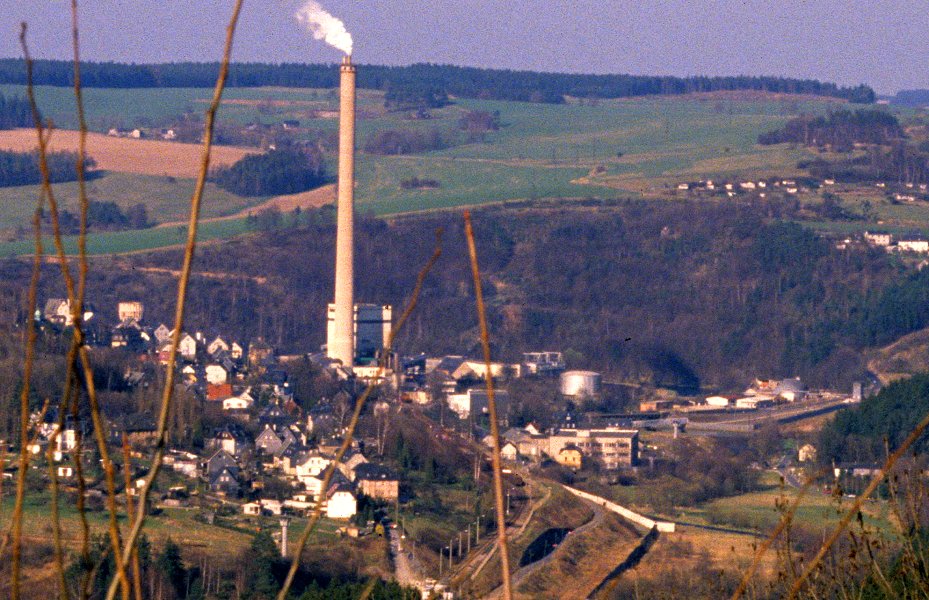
x: 542, y: 150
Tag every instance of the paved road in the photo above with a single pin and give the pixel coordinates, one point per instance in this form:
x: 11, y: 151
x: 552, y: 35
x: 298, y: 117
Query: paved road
x: 407, y: 569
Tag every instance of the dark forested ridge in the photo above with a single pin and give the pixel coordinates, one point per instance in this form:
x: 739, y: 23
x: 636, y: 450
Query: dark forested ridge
x: 403, y: 82
x: 860, y: 434
x: 670, y: 294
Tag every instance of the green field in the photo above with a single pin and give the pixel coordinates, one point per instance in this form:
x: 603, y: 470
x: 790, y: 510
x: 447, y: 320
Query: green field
x: 633, y: 148
x: 167, y: 199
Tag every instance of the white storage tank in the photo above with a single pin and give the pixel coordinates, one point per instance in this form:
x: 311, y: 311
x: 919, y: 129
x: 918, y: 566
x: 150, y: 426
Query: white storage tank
x: 581, y: 383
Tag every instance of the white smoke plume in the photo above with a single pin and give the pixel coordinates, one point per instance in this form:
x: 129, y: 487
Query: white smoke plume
x: 324, y: 26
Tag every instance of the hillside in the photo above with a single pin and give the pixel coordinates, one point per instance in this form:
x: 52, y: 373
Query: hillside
x: 604, y: 148
x: 681, y: 294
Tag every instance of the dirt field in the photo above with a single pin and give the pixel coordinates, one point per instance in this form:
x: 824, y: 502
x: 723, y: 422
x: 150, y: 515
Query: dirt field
x: 125, y: 155
x: 309, y: 199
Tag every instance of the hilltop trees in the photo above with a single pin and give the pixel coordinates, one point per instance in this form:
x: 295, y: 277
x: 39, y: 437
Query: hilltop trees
x: 284, y: 171
x: 425, y: 83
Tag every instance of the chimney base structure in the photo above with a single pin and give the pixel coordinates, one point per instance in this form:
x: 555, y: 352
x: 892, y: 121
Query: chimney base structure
x: 341, y: 339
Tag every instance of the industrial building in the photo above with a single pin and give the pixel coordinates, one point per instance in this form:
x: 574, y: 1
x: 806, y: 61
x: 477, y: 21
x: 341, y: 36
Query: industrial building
x: 371, y: 328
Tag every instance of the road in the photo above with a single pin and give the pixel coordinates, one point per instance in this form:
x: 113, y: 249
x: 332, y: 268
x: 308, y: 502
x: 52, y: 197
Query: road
x: 407, y: 568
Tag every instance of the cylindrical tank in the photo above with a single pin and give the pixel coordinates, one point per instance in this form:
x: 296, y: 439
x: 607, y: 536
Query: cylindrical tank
x: 581, y: 383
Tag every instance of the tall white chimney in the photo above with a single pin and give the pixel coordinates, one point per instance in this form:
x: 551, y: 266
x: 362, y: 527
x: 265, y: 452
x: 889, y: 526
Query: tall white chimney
x: 341, y: 345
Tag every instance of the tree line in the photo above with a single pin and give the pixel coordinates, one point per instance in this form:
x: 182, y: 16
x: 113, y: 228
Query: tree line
x: 14, y: 112
x: 22, y: 168
x: 283, y: 171
x: 840, y: 130
x: 467, y: 82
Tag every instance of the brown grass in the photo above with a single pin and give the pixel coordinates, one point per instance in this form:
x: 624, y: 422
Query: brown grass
x: 126, y: 155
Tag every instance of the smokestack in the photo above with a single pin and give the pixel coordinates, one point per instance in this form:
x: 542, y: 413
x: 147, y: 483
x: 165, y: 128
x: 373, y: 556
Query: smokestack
x: 341, y: 345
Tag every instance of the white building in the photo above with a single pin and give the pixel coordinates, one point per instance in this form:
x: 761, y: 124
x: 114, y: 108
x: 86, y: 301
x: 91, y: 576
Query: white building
x: 188, y: 346
x: 130, y: 310
x: 341, y: 503
x: 475, y: 401
x: 216, y: 374
x: 720, y: 401
x: 914, y: 245
x: 878, y: 238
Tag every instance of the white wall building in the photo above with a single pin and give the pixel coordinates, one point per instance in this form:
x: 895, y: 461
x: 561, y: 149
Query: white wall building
x: 373, y: 323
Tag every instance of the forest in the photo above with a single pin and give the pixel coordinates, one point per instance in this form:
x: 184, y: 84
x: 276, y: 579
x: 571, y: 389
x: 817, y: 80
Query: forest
x: 859, y: 434
x: 22, y: 168
x: 283, y: 171
x: 840, y: 130
x: 14, y: 112
x: 412, y: 81
x: 681, y: 295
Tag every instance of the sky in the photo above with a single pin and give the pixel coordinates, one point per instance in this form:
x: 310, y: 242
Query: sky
x: 883, y: 43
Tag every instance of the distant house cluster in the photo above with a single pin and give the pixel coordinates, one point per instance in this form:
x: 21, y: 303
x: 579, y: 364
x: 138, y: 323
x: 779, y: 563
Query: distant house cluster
x: 609, y: 448
x: 910, y: 243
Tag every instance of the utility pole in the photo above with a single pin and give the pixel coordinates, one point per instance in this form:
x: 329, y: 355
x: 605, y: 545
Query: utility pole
x: 451, y: 546
x: 459, y: 545
x: 508, y: 500
x: 469, y: 538
x: 477, y: 531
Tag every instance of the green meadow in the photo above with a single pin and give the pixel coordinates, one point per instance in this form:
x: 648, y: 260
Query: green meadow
x: 637, y: 147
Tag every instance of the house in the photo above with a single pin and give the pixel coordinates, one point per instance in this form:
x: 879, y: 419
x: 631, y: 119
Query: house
x: 914, y: 244
x: 341, y: 502
x: 216, y: 392
x: 273, y: 439
x: 129, y: 335
x: 218, y: 462
x: 243, y: 401
x: 509, y: 451
x: 807, y: 453
x: 878, y: 238
x: 216, y: 345
x: 130, y: 310
x: 58, y: 311
x: 252, y: 508
x: 235, y: 351
x: 65, y: 472
x: 168, y: 134
x: 187, y: 346
x: 310, y: 464
x: 216, y: 374
x: 139, y: 429
x: 376, y: 481
x: 259, y: 353
x: 230, y: 438
x: 226, y: 483
x: 314, y: 484
x: 162, y: 334
x: 570, y: 456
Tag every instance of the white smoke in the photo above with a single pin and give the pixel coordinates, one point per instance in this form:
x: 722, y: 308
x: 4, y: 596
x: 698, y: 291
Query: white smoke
x: 324, y: 26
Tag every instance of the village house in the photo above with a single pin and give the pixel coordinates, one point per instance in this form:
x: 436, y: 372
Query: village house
x: 377, y: 481
x: 570, y: 456
x: 187, y: 347
x: 216, y: 374
x: 216, y: 345
x: 130, y: 310
x: 341, y: 502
